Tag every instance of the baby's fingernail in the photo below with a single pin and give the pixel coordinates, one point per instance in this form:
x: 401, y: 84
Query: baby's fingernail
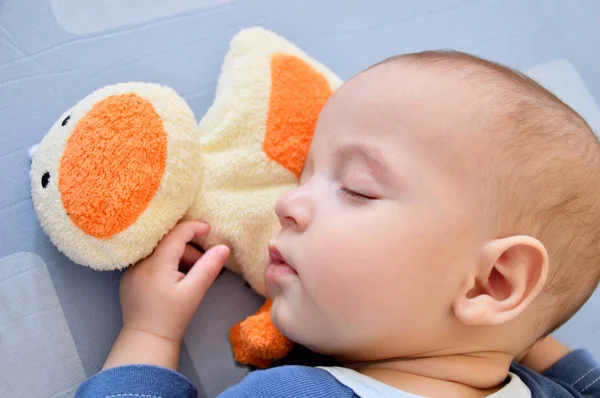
x: 222, y: 251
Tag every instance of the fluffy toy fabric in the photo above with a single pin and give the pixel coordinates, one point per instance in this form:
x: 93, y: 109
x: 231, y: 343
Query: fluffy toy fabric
x: 118, y: 170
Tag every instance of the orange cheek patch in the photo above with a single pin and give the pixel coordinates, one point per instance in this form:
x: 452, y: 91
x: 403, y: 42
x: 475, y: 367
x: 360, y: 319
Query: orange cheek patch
x: 112, y: 165
x: 298, y: 94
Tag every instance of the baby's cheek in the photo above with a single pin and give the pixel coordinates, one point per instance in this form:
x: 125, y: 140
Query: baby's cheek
x: 364, y: 268
x: 340, y: 278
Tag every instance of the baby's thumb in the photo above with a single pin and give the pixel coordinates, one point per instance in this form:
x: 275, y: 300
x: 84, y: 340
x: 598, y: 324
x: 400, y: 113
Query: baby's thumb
x: 206, y: 269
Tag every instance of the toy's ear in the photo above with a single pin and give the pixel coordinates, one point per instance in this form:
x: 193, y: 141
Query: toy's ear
x: 298, y: 93
x: 256, y: 138
x: 115, y: 172
x: 269, y: 97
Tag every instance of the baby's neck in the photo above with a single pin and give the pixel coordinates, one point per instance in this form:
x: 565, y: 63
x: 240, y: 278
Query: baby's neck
x: 463, y: 375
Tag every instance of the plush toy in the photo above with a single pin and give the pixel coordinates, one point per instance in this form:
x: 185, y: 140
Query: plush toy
x: 118, y: 170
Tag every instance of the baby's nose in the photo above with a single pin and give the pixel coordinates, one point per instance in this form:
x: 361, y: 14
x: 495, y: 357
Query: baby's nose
x: 294, y: 209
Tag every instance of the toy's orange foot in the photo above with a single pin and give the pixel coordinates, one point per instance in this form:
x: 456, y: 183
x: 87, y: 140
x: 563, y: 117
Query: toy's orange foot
x: 257, y: 342
x: 243, y: 354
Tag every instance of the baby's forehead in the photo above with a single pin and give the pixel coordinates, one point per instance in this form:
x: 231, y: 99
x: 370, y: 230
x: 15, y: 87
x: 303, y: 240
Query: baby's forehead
x: 423, y: 106
x: 445, y: 94
x: 413, y: 129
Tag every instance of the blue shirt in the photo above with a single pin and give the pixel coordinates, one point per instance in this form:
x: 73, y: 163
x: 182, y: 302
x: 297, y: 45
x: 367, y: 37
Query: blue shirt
x: 575, y: 375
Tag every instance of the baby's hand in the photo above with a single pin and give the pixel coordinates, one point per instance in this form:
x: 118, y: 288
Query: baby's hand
x: 156, y: 297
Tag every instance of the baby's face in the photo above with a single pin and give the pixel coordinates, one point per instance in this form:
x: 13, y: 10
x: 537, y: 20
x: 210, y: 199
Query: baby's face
x: 377, y: 232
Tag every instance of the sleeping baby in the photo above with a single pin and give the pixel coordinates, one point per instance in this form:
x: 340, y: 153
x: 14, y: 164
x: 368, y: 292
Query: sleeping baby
x: 446, y: 222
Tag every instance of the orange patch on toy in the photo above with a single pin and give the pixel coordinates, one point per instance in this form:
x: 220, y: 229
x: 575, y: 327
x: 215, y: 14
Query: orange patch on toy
x: 298, y: 94
x: 256, y: 341
x: 112, y: 165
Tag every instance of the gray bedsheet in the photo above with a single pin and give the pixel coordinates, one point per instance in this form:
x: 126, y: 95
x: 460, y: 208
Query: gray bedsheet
x: 57, y: 319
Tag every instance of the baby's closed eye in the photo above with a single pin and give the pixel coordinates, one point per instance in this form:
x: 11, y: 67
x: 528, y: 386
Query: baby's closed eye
x: 356, y: 195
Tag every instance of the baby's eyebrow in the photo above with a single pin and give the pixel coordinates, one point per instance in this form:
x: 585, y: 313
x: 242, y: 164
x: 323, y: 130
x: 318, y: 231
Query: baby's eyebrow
x: 372, y: 156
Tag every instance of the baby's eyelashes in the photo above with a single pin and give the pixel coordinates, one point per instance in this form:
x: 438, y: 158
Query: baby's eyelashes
x: 356, y: 196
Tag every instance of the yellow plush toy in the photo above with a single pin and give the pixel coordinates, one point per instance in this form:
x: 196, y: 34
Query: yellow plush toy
x: 118, y: 170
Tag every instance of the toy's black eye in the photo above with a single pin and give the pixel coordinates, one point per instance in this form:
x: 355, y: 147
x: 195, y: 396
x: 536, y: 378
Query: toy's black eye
x: 64, y: 122
x: 45, y: 179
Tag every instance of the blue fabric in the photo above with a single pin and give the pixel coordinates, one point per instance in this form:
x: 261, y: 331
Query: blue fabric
x: 137, y: 381
x: 575, y: 375
x: 289, y: 381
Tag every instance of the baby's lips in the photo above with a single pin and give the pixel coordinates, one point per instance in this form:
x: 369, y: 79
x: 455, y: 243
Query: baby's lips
x: 113, y: 164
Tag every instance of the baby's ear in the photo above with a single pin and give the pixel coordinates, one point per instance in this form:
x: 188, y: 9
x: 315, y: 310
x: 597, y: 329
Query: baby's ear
x: 512, y: 272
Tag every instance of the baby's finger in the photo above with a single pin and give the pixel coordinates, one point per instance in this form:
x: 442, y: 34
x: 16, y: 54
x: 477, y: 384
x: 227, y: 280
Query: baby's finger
x: 205, y: 271
x: 190, y: 256
x: 172, y: 247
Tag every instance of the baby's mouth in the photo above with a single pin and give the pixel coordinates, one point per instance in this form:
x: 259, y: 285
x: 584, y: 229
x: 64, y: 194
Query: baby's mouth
x: 278, y: 266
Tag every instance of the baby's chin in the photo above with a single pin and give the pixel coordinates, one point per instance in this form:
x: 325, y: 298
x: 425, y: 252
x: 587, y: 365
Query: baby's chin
x: 303, y: 330
x: 280, y: 315
x: 288, y: 322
